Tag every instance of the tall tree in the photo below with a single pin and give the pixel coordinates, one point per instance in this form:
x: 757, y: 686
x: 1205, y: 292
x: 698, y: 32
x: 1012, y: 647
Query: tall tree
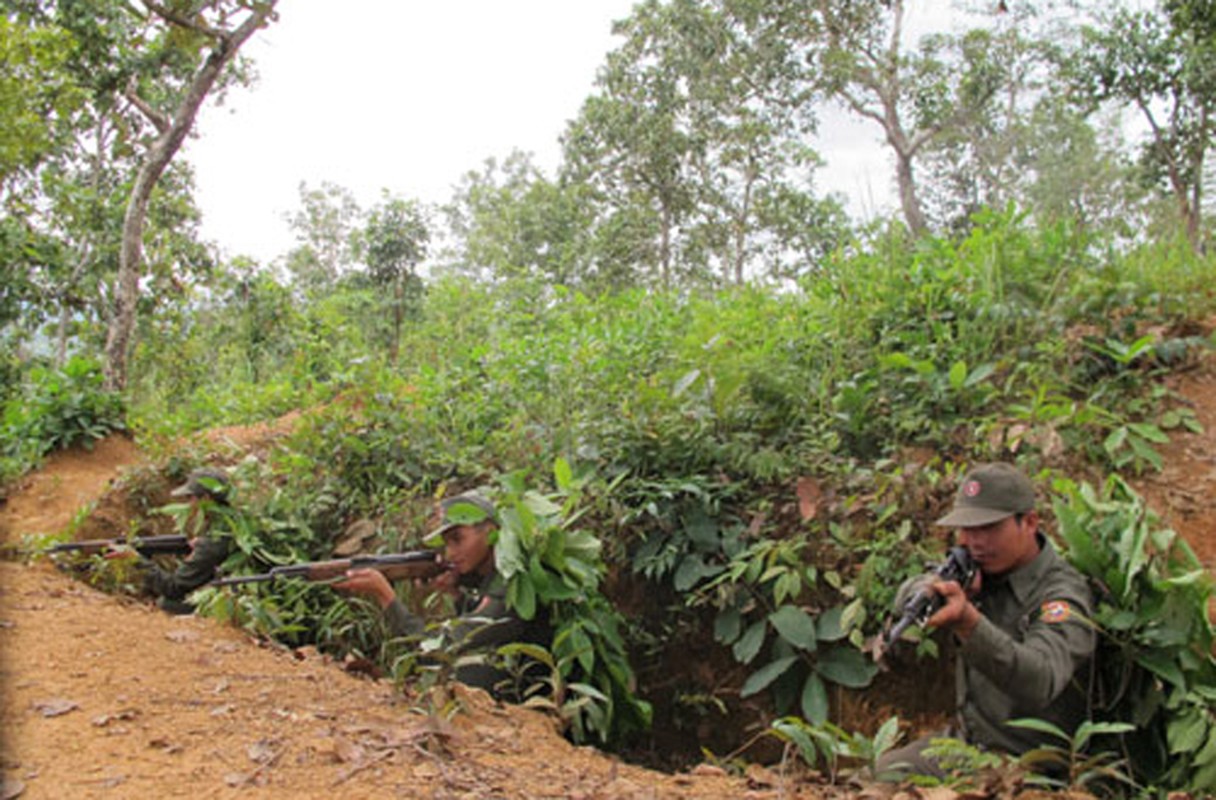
x: 1166, y: 69
x: 699, y: 124
x: 325, y: 226
x: 508, y: 220
x: 392, y: 244
x: 195, y: 43
x: 858, y: 49
x: 64, y: 199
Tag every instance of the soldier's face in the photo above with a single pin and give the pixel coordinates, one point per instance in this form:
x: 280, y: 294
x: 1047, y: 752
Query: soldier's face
x: 1004, y: 545
x: 467, y: 548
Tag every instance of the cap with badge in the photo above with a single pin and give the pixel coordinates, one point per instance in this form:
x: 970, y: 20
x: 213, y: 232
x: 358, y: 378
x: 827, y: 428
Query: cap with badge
x: 989, y: 494
x: 468, y: 508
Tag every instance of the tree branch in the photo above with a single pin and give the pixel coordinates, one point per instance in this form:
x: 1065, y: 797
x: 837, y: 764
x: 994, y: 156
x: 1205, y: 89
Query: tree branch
x: 159, y: 120
x: 172, y: 17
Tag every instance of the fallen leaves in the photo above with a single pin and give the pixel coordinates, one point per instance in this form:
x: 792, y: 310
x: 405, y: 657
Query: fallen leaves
x: 105, y: 719
x: 55, y: 707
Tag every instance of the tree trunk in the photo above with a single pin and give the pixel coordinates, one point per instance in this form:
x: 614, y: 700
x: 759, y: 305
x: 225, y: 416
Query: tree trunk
x: 118, y: 338
x: 908, y: 199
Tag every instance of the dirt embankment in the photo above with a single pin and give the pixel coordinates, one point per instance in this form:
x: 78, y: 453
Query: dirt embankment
x: 106, y: 697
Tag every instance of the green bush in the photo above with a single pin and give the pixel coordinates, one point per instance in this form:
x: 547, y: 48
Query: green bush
x: 1156, y: 670
x: 56, y: 409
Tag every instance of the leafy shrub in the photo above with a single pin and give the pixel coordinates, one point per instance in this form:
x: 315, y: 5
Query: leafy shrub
x: 57, y: 409
x: 548, y: 563
x: 1156, y: 667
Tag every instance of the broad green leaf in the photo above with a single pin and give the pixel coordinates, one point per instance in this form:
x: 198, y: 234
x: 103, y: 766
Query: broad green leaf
x: 702, y: 530
x: 1207, y: 754
x: 887, y: 736
x: 583, y: 545
x: 1150, y: 432
x: 562, y: 474
x: 688, y: 573
x: 846, y: 666
x: 787, y: 586
x: 521, y: 596
x: 829, y: 626
x: 1115, y: 440
x: 979, y: 374
x: 1185, y: 734
x: 761, y: 678
x: 795, y: 626
x: 539, y: 506
x: 1042, y: 726
x: 958, y: 375
x: 533, y: 651
x: 584, y: 650
x: 749, y: 645
x: 815, y: 700
x: 727, y: 625
x: 1146, y: 452
x: 508, y: 556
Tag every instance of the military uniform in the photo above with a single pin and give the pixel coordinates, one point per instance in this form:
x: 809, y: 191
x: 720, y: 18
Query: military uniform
x: 1025, y: 657
x: 482, y: 625
x: 172, y: 586
x: 211, y: 547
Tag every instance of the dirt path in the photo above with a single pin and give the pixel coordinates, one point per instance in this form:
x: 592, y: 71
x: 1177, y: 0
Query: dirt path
x: 103, y: 696
x: 107, y: 697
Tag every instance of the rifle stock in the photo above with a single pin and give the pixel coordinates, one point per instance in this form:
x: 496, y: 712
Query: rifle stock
x: 395, y: 566
x: 174, y: 545
x: 958, y: 567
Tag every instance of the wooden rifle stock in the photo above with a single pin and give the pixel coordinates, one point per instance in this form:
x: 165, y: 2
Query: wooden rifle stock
x: 420, y: 564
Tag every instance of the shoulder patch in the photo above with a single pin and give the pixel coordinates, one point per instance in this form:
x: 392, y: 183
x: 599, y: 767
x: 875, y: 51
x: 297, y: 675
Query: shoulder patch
x: 1055, y: 611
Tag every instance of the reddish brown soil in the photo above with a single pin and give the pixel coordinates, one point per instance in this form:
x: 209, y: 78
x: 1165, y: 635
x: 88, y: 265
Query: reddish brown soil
x: 104, y: 696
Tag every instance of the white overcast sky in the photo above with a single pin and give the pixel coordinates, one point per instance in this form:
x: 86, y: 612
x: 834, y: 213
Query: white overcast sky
x: 408, y: 96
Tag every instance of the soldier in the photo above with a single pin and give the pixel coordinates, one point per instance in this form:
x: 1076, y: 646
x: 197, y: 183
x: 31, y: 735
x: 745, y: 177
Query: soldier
x: 483, y: 621
x: 1023, y: 631
x: 208, y: 491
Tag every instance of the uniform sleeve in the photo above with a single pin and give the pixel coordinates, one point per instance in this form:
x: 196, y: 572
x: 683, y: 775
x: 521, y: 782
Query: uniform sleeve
x: 1036, y: 670
x: 195, y: 571
x: 487, y: 625
x: 400, y: 621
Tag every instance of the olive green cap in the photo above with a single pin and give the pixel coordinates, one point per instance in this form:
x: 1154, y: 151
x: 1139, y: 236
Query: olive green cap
x: 205, y: 482
x: 988, y: 494
x: 469, y: 508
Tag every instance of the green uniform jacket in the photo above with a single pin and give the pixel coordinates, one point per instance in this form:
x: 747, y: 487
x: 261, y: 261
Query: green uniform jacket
x: 1029, y: 654
x: 483, y: 623
x: 195, y: 571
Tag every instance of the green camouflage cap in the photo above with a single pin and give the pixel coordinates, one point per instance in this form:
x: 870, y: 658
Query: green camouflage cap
x: 988, y: 494
x: 205, y: 482
x: 469, y: 508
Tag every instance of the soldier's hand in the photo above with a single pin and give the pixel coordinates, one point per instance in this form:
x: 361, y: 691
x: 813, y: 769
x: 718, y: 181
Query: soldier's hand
x: 447, y: 582
x: 368, y: 582
x: 958, y: 614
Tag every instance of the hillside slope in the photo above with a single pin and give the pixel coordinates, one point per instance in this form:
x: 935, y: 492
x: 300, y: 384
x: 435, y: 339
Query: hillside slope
x: 105, y: 696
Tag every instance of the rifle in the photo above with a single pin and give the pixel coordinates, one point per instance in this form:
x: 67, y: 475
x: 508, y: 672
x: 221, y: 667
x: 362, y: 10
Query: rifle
x: 958, y: 567
x: 395, y: 566
x: 146, y: 546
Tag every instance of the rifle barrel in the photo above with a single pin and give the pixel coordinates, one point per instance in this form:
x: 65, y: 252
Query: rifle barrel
x: 417, y: 563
